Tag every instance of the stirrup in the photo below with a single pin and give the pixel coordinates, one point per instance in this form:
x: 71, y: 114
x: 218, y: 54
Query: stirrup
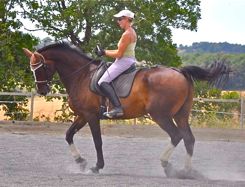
x: 116, y: 112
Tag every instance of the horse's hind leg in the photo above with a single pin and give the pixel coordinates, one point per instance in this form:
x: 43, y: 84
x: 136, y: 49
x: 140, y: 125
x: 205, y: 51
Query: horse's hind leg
x: 167, y: 124
x: 189, y: 140
x: 76, y: 126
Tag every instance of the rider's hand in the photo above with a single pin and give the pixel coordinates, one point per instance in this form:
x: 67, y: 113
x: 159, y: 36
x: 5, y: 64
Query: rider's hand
x: 99, y: 51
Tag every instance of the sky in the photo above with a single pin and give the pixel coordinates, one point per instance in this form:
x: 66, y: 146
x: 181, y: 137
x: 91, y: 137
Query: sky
x: 221, y: 21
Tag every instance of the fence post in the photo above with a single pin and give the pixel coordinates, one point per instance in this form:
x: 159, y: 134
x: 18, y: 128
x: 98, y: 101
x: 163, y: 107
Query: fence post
x: 32, y: 106
x: 242, y: 111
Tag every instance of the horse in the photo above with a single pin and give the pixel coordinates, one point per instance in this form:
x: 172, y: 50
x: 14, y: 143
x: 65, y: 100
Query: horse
x: 163, y: 93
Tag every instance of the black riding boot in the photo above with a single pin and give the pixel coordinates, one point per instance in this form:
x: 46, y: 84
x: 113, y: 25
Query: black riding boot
x: 109, y: 92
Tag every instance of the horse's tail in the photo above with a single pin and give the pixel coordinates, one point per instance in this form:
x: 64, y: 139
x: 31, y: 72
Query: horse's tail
x: 216, y: 75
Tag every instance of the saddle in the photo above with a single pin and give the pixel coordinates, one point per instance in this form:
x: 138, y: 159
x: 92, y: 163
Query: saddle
x: 122, y: 84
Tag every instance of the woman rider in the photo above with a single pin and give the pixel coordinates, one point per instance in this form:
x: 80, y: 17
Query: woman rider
x: 125, y: 57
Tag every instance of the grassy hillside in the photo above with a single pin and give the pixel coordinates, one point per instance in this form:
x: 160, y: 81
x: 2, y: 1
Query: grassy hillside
x: 207, y: 47
x: 235, y: 59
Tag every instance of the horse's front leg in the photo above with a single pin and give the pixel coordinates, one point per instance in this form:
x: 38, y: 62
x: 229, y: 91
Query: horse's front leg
x: 94, y: 125
x: 76, y: 126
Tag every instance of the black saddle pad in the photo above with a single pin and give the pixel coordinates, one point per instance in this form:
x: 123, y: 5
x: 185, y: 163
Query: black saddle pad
x: 122, y: 84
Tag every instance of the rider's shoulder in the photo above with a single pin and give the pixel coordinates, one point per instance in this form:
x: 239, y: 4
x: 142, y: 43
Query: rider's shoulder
x: 128, y: 33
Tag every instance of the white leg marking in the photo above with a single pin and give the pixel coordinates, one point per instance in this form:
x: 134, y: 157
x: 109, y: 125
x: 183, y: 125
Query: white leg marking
x: 188, y: 162
x: 167, y: 153
x: 74, y: 151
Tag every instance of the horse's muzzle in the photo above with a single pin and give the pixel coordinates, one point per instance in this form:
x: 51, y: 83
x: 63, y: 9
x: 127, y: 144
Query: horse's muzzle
x: 44, y: 90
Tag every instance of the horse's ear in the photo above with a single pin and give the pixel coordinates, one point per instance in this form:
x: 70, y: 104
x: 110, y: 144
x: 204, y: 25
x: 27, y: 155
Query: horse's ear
x: 27, y: 52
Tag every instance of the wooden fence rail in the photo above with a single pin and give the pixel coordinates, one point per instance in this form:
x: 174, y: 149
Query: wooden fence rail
x: 32, y: 96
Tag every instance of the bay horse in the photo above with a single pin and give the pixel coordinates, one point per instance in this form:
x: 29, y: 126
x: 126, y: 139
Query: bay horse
x: 166, y: 94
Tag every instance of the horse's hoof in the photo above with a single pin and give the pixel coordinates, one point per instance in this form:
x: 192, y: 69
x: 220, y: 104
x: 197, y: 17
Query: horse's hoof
x: 190, y: 174
x: 170, y: 172
x: 82, y: 163
x: 164, y: 163
x: 94, y: 170
x: 80, y: 160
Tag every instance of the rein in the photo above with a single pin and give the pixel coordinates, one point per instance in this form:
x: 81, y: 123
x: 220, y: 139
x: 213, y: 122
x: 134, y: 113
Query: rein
x: 78, y: 70
x: 75, y: 72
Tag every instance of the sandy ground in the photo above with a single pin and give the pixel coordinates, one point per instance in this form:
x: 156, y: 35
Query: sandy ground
x: 142, y: 131
x: 36, y: 154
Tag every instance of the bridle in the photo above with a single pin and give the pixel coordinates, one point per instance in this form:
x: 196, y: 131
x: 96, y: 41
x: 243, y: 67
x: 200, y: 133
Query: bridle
x: 42, y: 64
x: 37, y: 66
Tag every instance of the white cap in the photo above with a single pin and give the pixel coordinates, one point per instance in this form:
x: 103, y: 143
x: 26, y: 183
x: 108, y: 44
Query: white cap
x: 126, y: 13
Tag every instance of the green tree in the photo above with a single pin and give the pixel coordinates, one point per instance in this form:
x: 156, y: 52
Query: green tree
x: 14, y: 70
x: 87, y: 22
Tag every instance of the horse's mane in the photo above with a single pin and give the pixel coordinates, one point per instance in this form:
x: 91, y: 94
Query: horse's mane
x: 64, y: 46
